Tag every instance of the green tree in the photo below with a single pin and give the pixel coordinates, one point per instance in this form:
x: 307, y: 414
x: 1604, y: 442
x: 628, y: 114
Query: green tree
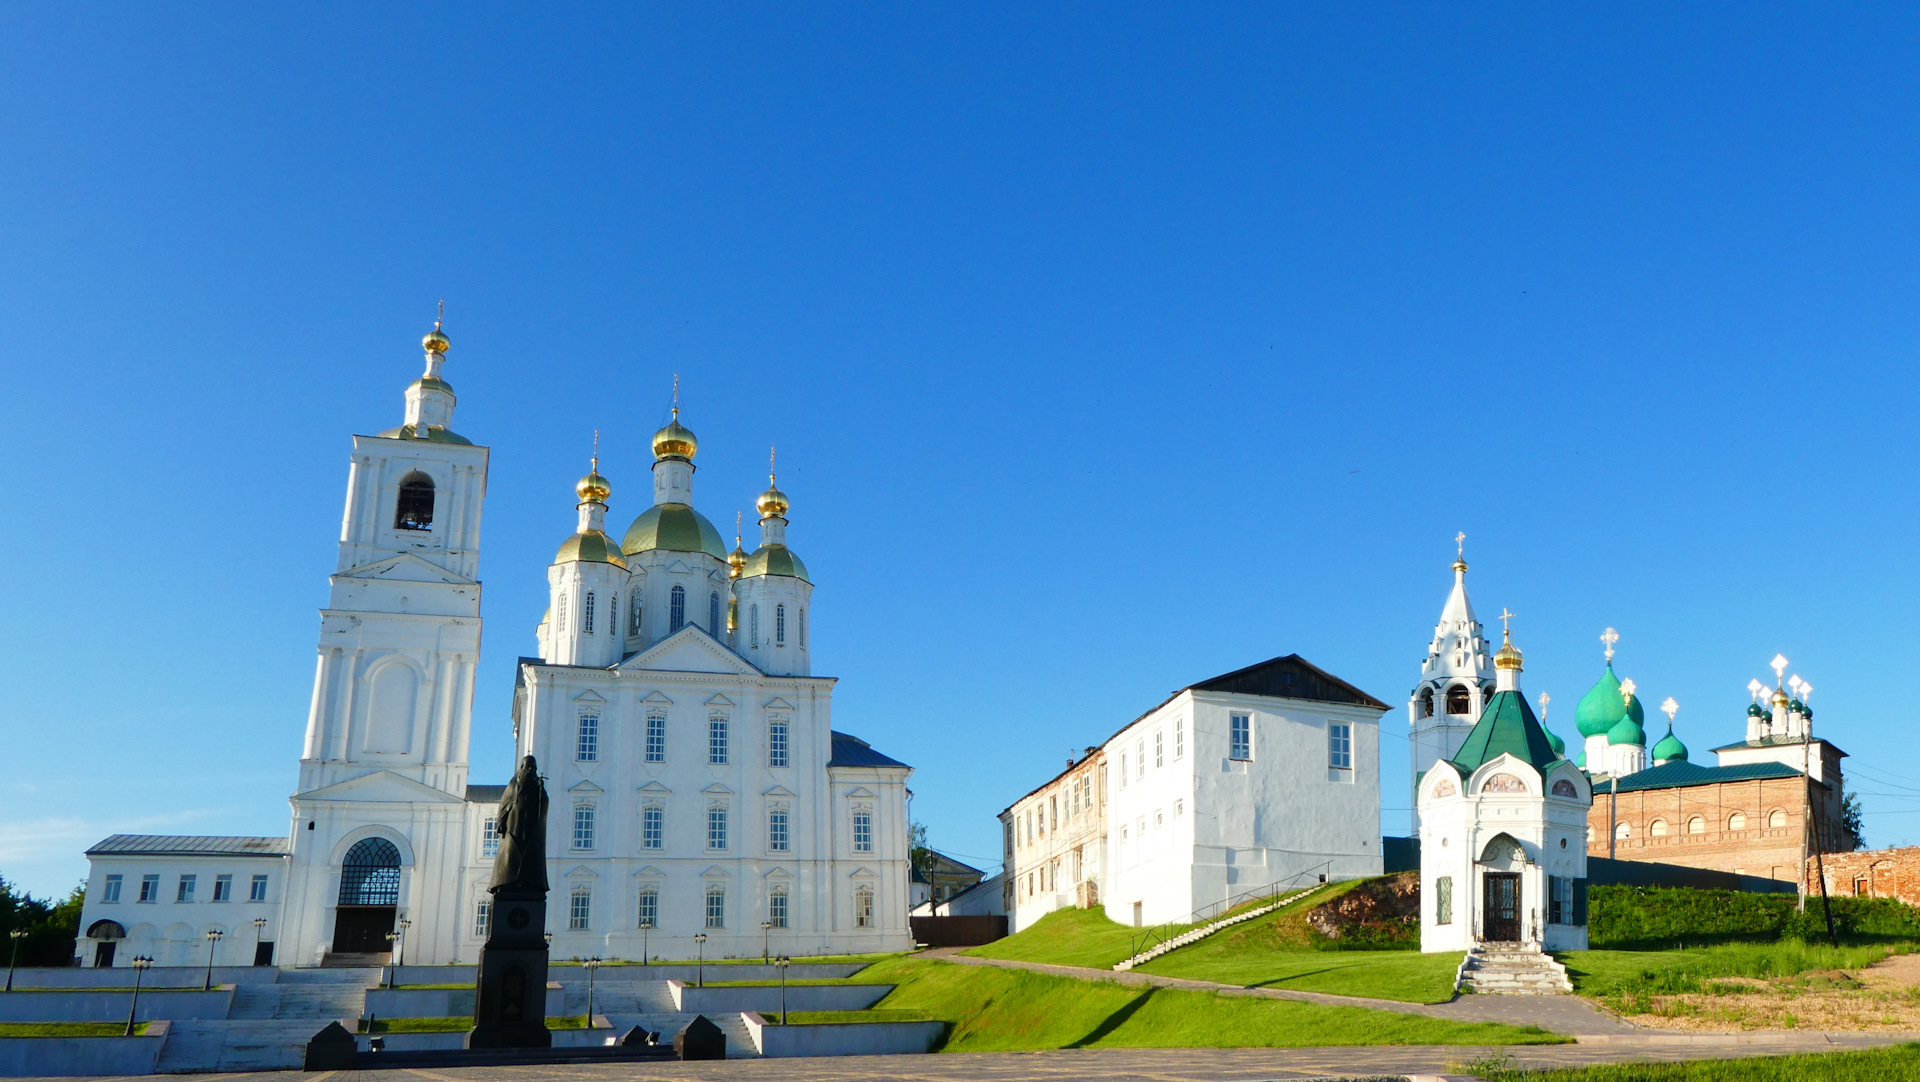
x: 51, y: 926
x: 1853, y: 834
x: 918, y: 853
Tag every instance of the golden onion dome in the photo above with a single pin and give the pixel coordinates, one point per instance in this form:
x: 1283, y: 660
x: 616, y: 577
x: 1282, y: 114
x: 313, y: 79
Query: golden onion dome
x: 675, y: 441
x: 1780, y: 697
x: 436, y: 340
x: 593, y: 488
x: 1460, y: 564
x: 737, y: 559
x: 772, y: 501
x: 1508, y: 658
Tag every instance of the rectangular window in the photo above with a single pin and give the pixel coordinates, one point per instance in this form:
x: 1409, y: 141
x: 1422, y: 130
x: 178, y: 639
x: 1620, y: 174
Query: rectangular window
x: 863, y: 832
x: 656, y: 738
x: 653, y: 828
x: 1443, y: 900
x: 489, y: 837
x: 586, y: 614
x: 1140, y: 758
x: 1339, y: 746
x: 1241, y: 737
x: 223, y: 888
x: 649, y: 907
x: 185, y: 891
x: 634, y: 612
x: 716, y: 907
x: 583, y: 827
x: 777, y: 909
x: 716, y: 828
x: 111, y: 893
x: 777, y: 830
x: 1559, y: 900
x: 1179, y: 808
x: 863, y: 908
x: 1123, y: 770
x: 1159, y: 755
x: 257, y: 891
x: 587, y: 747
x: 482, y: 919
x: 717, y: 740
x: 776, y: 743
x: 1179, y: 737
x: 149, y: 888
x: 579, y: 910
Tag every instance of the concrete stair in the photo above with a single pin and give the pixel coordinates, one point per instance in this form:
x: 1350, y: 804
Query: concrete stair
x: 1512, y: 971
x: 1206, y: 930
x: 648, y: 1004
x: 268, y: 1025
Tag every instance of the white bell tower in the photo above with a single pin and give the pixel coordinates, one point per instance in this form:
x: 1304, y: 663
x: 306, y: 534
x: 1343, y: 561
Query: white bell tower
x: 1456, y: 680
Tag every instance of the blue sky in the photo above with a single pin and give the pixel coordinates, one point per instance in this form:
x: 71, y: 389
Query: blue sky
x: 1106, y: 349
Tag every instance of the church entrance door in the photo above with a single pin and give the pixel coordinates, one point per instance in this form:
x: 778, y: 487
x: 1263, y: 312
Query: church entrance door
x: 103, y: 954
x: 1501, y: 922
x: 362, y: 929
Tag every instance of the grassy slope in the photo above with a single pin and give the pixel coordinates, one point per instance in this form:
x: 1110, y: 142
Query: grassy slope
x: 1068, y: 937
x: 1879, y: 1065
x: 68, y: 1029
x: 1613, y: 973
x: 1277, y: 951
x: 992, y: 1009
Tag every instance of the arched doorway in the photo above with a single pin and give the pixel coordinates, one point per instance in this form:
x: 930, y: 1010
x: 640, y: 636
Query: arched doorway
x: 107, y: 935
x: 369, y: 896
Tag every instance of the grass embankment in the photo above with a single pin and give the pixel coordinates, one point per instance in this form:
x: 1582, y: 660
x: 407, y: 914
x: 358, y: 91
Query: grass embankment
x: 454, y: 1024
x: 1662, y: 918
x: 993, y: 1009
x: 829, y: 1018
x: 1878, y: 1065
x: 797, y: 959
x: 69, y: 1029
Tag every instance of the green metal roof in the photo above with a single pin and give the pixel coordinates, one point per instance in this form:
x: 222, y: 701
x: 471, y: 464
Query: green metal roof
x: 1506, y: 727
x: 432, y: 383
x: 591, y: 547
x: 676, y: 527
x: 1683, y: 774
x: 774, y: 560
x: 435, y: 434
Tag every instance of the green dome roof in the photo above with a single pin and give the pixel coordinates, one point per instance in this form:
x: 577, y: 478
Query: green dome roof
x: 675, y: 527
x: 592, y: 547
x: 1581, y: 760
x: 1559, y: 745
x: 1756, y: 711
x: 774, y: 560
x: 1600, y: 708
x: 1627, y: 731
x: 435, y: 434
x: 1670, y: 748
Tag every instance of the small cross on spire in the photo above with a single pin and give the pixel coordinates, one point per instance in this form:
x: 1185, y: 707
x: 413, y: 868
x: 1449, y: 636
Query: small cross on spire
x: 596, y: 450
x: 676, y: 396
x: 1609, y: 636
x: 1460, y: 544
x: 441, y: 316
x: 772, y: 451
x: 1504, y: 617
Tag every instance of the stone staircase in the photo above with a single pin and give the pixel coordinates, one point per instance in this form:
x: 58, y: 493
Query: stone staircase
x: 1512, y: 971
x: 1206, y: 930
x: 628, y: 1003
x: 268, y: 1025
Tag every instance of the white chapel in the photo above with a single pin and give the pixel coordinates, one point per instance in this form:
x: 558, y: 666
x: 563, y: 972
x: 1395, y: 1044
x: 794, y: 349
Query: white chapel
x: 697, y: 786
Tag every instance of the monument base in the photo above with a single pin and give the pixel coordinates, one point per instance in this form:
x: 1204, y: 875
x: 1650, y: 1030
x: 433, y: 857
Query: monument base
x: 510, y: 995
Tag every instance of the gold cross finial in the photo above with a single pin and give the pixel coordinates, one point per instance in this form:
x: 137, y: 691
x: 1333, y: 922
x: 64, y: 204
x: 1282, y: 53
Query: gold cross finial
x: 1460, y: 544
x: 736, y: 529
x: 596, y: 450
x: 1544, y: 700
x: 676, y: 396
x: 771, y: 452
x: 1504, y: 617
x: 1609, y: 636
x: 441, y: 317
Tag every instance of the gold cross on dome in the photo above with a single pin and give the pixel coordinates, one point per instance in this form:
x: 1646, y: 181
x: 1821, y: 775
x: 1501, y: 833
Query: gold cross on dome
x: 1504, y: 617
x: 1609, y: 636
x: 676, y: 396
x: 1460, y: 544
x: 596, y: 450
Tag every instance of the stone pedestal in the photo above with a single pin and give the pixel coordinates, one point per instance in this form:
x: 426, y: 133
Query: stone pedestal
x: 510, y: 998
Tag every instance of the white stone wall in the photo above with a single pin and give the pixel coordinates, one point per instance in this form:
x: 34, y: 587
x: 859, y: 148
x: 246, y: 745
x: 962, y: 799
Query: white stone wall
x: 171, y: 932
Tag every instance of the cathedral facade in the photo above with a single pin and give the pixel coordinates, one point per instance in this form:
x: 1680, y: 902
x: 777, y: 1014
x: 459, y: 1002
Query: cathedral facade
x: 697, y: 786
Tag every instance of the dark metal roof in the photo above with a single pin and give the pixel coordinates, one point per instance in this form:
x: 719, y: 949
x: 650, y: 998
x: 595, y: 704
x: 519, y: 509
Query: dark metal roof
x: 1682, y: 775
x: 849, y: 750
x: 181, y: 845
x: 485, y: 794
x: 1780, y: 742
x: 1289, y: 677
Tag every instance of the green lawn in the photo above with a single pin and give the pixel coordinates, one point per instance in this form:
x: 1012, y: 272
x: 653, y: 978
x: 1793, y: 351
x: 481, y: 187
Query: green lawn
x: 828, y: 1018
x: 68, y: 1029
x: 798, y: 959
x: 1898, y: 1064
x: 994, y: 1009
x: 1612, y: 973
x: 1085, y: 937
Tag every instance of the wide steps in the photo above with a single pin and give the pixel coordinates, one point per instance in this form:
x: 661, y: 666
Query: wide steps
x: 1513, y: 973
x: 1204, y: 931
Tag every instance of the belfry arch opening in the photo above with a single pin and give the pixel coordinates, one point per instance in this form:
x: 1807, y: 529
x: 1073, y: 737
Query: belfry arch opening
x: 369, y: 898
x: 414, y: 508
x: 1459, y: 700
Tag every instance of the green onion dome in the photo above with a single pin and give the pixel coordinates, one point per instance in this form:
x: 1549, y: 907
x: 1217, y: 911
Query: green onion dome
x: 1559, y: 745
x: 1756, y: 711
x: 1581, y: 760
x: 1627, y: 731
x: 676, y: 527
x: 1670, y: 749
x: 1797, y: 706
x: 1600, y: 709
x: 589, y: 547
x: 775, y: 560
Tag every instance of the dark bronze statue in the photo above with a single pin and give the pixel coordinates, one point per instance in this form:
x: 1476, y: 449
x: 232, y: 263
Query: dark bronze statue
x: 509, y: 1002
x: 521, y: 863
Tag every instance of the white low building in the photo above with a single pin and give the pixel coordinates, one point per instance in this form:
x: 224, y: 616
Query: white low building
x: 1249, y: 782
x: 697, y: 786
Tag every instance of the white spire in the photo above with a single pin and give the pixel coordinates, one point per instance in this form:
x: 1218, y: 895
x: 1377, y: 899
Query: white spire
x: 1459, y: 645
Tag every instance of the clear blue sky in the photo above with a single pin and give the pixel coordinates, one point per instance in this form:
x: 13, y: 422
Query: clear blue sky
x: 1106, y: 349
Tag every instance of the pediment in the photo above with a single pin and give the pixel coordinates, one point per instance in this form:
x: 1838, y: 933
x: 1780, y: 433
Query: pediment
x: 778, y: 873
x: 649, y: 872
x: 777, y: 703
x: 588, y: 696
x: 655, y: 787
x: 679, y: 567
x: 381, y: 786
x: 720, y: 700
x: 861, y: 793
x: 1510, y: 765
x: 718, y: 789
x: 778, y: 790
x: 583, y: 872
x: 863, y: 872
x: 657, y: 696
x: 716, y: 872
x: 406, y: 567
x: 689, y: 649
x: 584, y: 786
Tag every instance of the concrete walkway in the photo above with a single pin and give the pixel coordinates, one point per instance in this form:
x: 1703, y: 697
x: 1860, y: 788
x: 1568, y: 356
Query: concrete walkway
x: 1569, y: 1015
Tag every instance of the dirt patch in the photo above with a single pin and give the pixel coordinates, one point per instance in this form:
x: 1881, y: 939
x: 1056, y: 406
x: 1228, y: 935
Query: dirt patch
x: 1382, y: 912
x: 1881, y: 998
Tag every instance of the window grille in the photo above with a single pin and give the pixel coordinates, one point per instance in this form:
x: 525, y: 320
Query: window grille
x: 716, y: 907
x: 1241, y: 737
x: 370, y: 875
x: 482, y: 919
x: 676, y: 609
x: 656, y: 738
x: 777, y: 743
x: 184, y: 893
x: 717, y: 740
x: 777, y: 908
x: 716, y: 828
x: 777, y: 830
x: 580, y: 910
x: 257, y: 890
x: 587, y: 747
x: 863, y: 908
x: 490, y: 837
x: 653, y: 827
x: 112, y: 891
x: 780, y: 625
x: 863, y: 832
x: 1443, y: 900
x: 649, y: 907
x: 1340, y: 746
x: 223, y: 888
x: 586, y: 614
x: 583, y: 827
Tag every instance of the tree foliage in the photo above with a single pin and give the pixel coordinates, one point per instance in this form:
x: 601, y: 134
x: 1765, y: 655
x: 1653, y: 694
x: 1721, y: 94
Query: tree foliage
x: 51, y: 926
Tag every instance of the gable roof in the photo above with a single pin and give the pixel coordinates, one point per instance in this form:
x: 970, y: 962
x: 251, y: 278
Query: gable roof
x: 1506, y: 727
x: 1289, y: 677
x: 1780, y: 742
x: 181, y: 845
x: 850, y: 750
x: 485, y: 794
x: 1680, y: 775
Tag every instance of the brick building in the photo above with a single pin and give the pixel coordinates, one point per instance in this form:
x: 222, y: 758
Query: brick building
x: 1873, y: 873
x: 1746, y: 819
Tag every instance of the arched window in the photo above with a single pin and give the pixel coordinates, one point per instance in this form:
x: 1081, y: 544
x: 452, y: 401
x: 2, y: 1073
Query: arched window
x: 803, y: 629
x: 1622, y: 830
x: 713, y: 614
x: 613, y: 614
x: 753, y: 626
x: 1776, y: 818
x: 371, y: 873
x: 777, y: 907
x: 561, y: 623
x: 414, y: 509
x: 716, y: 906
x: 863, y: 907
x: 634, y: 612
x: 583, y: 826
x: 649, y: 906
x: 586, y: 614
x: 1658, y: 828
x: 780, y: 624
x: 1696, y: 825
x: 1737, y: 821
x: 676, y: 609
x: 1458, y: 699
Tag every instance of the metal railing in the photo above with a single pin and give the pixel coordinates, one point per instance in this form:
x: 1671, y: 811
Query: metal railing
x: 1152, y: 937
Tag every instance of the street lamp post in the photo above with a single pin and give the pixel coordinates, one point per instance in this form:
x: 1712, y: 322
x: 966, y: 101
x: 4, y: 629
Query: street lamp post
x: 783, y: 961
x: 590, y: 965
x: 400, y: 947
x: 700, y: 961
x: 766, y: 941
x: 259, y: 927
x: 392, y: 938
x: 214, y: 936
x: 16, y: 935
x: 140, y: 964
x: 646, y: 928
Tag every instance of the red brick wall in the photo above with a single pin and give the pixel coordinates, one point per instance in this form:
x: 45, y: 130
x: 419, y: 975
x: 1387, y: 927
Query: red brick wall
x: 1873, y: 873
x: 1756, y: 848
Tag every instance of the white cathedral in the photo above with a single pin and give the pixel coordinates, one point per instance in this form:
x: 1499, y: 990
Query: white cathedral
x: 697, y: 786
